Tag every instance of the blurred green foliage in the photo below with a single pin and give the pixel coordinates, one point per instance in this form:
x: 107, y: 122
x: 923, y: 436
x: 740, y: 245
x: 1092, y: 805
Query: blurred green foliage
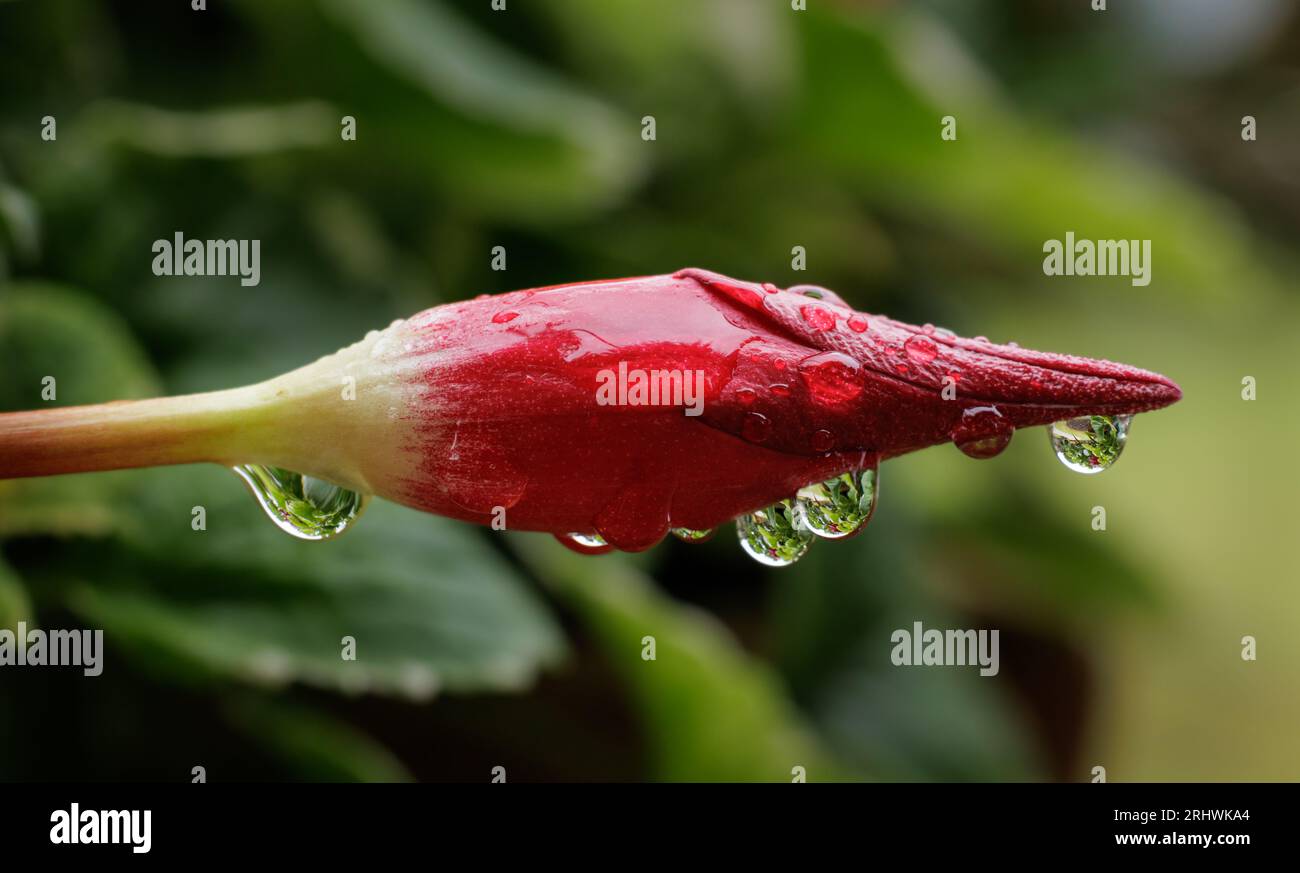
x: 774, y: 129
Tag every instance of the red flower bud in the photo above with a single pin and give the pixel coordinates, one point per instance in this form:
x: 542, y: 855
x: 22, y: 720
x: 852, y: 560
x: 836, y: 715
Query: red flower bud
x: 619, y: 407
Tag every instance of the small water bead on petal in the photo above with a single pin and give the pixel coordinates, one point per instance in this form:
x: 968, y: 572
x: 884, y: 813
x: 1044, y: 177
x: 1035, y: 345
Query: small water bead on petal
x: 585, y: 544
x: 780, y: 389
x: 944, y: 333
x: 822, y: 441
x: 1090, y: 444
x: 771, y: 537
x: 504, y: 316
x: 982, y: 433
x: 757, y: 427
x: 920, y: 349
x: 858, y: 324
x: 837, y: 507
x: 770, y: 288
x: 687, y: 535
x: 746, y: 395
x: 303, y: 506
x: 818, y: 317
x: 832, y: 377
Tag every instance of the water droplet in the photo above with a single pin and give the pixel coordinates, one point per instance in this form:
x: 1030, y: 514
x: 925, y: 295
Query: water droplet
x: 832, y: 377
x: 944, y: 333
x: 920, y: 349
x: 822, y: 441
x: 303, y: 506
x: 1091, y: 443
x: 837, y: 507
x: 982, y: 433
x: 770, y: 288
x: 780, y: 389
x: 756, y: 427
x: 745, y: 395
x: 687, y: 535
x: 503, y: 317
x: 818, y: 317
x: 771, y: 537
x: 585, y: 544
x: 981, y: 339
x: 858, y: 324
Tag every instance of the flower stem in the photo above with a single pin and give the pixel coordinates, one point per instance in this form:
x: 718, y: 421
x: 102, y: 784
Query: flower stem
x: 127, y: 433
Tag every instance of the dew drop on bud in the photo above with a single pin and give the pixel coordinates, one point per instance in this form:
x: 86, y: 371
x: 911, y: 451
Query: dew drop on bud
x: 858, y: 324
x: 832, y: 377
x: 504, y: 316
x: 837, y: 507
x: 771, y: 537
x: 920, y: 349
x: 780, y: 389
x: 1091, y: 443
x: 982, y: 432
x: 303, y: 506
x: 818, y: 317
x: 822, y: 441
x: 756, y: 427
x: 745, y: 395
x: 687, y: 535
x: 770, y: 288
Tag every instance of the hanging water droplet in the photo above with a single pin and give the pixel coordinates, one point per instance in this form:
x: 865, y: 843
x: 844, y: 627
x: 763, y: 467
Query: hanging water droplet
x: 1091, y: 443
x: 837, y: 507
x: 771, y: 537
x: 303, y: 506
x: 687, y: 535
x: 982, y: 432
x: 585, y: 544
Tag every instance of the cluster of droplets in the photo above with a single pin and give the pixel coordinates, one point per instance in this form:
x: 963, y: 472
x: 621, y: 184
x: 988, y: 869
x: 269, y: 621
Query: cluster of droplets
x: 303, y: 506
x: 782, y: 533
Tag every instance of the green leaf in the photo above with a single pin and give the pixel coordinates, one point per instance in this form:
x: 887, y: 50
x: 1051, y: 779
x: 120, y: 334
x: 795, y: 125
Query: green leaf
x: 48, y: 331
x: 14, y: 603
x: 511, y: 135
x: 1006, y: 179
x: 429, y: 606
x: 710, y: 711
x: 316, y: 746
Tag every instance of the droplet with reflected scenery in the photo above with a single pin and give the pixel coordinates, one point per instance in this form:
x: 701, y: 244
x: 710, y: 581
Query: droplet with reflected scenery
x: 771, y: 537
x: 1091, y: 443
x: 303, y: 506
x: 837, y: 507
